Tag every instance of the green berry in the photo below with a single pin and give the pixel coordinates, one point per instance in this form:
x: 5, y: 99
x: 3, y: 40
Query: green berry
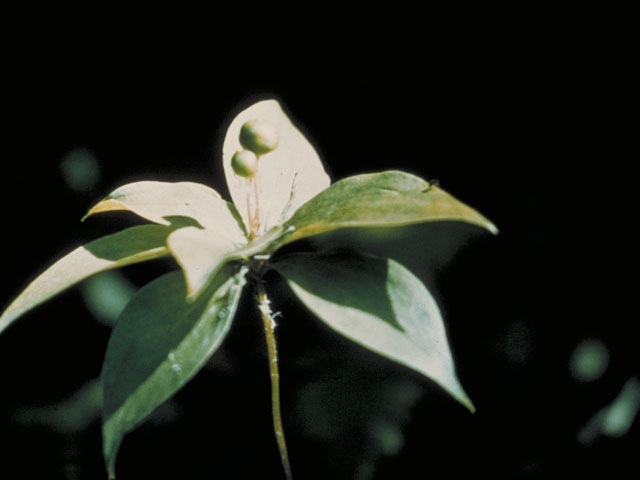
x: 259, y: 136
x: 244, y: 163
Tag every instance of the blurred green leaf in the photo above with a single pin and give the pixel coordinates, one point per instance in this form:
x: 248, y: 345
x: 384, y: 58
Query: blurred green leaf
x: 134, y: 244
x: 379, y: 304
x: 106, y: 295
x: 589, y: 360
x: 386, y: 199
x: 160, y: 342
x: 80, y: 170
x: 70, y: 416
x: 287, y: 177
x: 615, y: 419
x: 159, y: 202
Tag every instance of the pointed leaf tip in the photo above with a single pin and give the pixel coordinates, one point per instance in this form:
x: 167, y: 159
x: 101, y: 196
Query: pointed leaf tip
x: 164, y: 202
x: 132, y: 245
x: 160, y: 342
x: 489, y: 225
x: 385, y: 199
x: 380, y: 305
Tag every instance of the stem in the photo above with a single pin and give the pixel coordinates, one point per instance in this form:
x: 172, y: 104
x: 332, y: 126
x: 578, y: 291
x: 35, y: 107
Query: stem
x: 252, y: 228
x: 269, y: 330
x: 253, y: 206
x: 256, y: 219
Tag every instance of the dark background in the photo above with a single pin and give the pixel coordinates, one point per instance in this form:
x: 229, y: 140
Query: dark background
x: 528, y: 123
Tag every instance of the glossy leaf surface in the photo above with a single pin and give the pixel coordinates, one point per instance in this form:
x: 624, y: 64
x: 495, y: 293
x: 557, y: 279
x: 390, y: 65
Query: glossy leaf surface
x: 132, y: 245
x: 380, y: 305
x: 286, y: 178
x: 384, y: 199
x: 160, y: 342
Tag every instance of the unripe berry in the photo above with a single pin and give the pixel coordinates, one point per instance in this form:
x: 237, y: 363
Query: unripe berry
x: 259, y: 136
x: 244, y: 163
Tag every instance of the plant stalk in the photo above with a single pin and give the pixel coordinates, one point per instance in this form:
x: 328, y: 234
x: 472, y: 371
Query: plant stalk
x: 269, y: 329
x: 253, y: 205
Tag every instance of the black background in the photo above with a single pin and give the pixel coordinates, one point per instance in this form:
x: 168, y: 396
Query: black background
x: 528, y: 123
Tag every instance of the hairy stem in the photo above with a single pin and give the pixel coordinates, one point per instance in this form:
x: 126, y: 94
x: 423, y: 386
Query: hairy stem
x: 269, y: 330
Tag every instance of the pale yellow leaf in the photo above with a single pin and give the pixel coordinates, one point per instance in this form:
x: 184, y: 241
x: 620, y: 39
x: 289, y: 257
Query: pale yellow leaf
x: 166, y: 202
x: 200, y: 253
x: 132, y: 245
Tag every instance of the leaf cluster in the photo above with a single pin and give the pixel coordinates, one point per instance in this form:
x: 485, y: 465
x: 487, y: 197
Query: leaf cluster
x: 173, y: 325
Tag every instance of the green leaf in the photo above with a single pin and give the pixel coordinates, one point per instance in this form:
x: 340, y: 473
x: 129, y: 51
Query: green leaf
x: 423, y: 248
x: 160, y: 342
x: 70, y: 416
x: 380, y: 305
x: 132, y: 245
x: 287, y: 177
x: 161, y: 202
x: 385, y: 199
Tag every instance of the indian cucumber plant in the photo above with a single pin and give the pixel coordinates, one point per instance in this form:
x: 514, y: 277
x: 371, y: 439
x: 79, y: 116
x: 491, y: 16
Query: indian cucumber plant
x: 281, y: 194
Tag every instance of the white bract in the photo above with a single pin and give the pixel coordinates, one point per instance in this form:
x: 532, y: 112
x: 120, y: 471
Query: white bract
x: 287, y: 177
x: 217, y: 231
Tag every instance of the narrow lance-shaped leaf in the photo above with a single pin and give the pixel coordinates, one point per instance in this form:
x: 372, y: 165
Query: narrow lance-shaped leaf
x: 163, y: 202
x: 132, y: 245
x: 160, y: 342
x: 380, y: 305
x: 287, y: 177
x: 384, y: 199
